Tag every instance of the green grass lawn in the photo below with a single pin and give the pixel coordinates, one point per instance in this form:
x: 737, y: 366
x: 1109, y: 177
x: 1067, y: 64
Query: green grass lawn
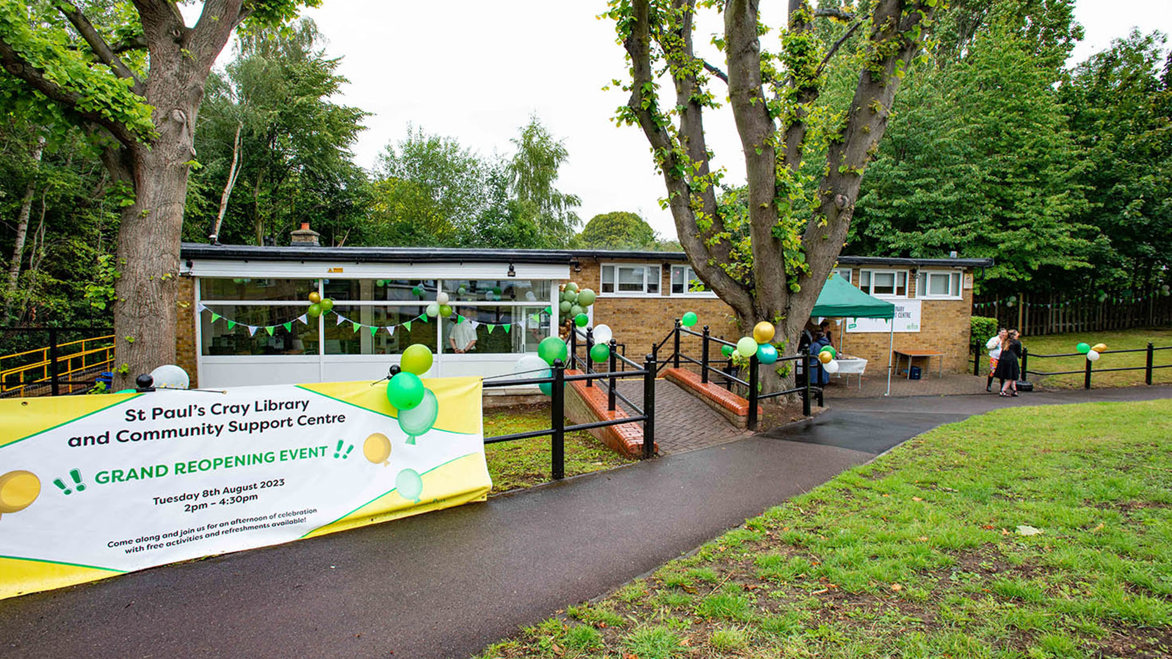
x: 526, y: 462
x: 1120, y: 340
x: 926, y: 553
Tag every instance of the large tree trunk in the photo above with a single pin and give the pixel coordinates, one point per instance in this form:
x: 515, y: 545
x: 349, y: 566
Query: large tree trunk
x: 22, y: 217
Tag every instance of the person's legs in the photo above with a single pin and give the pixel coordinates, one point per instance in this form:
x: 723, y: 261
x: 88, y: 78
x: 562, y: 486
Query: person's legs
x: 1004, y: 387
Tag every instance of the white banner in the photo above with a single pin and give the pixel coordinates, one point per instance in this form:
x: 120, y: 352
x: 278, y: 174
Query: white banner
x: 93, y: 486
x: 907, y: 319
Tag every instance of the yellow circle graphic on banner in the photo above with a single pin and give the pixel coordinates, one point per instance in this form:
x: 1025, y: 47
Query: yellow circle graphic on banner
x: 18, y: 490
x: 377, y: 448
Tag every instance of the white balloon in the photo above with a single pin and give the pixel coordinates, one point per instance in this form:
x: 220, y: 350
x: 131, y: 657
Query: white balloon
x: 532, y: 366
x: 530, y: 296
x: 603, y: 334
x: 1093, y: 356
x: 441, y: 298
x: 831, y: 366
x: 170, y: 376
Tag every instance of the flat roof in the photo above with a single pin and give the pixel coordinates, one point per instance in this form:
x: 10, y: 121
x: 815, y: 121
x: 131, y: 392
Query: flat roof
x: 457, y: 255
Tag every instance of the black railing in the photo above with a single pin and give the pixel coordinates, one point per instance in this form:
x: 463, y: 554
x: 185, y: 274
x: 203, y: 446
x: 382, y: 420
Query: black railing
x: 752, y: 385
x: 1089, y: 368
x: 557, y: 380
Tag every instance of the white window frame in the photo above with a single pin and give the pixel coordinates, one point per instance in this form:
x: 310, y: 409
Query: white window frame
x: 868, y: 274
x: 955, y: 283
x: 687, y: 292
x: 845, y: 273
x: 657, y: 277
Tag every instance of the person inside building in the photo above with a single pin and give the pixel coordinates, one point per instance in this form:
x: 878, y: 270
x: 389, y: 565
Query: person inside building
x: 461, y: 334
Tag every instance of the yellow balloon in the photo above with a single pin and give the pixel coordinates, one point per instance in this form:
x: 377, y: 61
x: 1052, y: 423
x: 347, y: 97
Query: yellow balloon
x: 1100, y: 347
x: 763, y: 332
x: 18, y: 490
x: 377, y: 448
x: 825, y: 357
x: 315, y: 297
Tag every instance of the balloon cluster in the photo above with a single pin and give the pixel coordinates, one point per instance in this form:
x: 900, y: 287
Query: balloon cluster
x: 827, y: 356
x: 575, y: 302
x: 1092, y: 352
x: 758, y: 345
x: 417, y: 405
x: 318, y: 305
x: 440, y: 307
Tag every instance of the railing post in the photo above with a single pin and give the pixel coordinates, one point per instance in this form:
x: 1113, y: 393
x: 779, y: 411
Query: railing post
x: 1148, y: 371
x: 1086, y: 384
x: 806, y: 394
x: 1025, y: 361
x: 557, y: 407
x: 704, y: 357
x: 574, y: 344
x: 676, y: 357
x: 53, y: 386
x: 610, y: 394
x: 589, y: 345
x: 976, y: 360
x: 752, y: 420
x: 729, y: 370
x: 649, y: 407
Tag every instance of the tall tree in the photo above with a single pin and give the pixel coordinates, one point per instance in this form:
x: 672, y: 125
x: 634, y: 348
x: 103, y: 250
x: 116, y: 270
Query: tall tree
x: 534, y: 172
x: 133, y: 75
x: 772, y: 96
x: 616, y: 230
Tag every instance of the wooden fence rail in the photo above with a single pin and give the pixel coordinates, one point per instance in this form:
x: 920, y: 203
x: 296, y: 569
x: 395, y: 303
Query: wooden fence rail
x: 1035, y: 314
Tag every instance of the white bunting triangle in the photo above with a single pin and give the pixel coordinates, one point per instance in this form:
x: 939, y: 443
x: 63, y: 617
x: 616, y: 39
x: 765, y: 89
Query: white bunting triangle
x: 304, y: 318
x: 391, y: 330
x: 341, y: 318
x: 252, y: 330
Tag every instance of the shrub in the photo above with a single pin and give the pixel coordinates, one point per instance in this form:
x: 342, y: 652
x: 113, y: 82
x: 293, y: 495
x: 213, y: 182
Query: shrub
x: 982, y: 328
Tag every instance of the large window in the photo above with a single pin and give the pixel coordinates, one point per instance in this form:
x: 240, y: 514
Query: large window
x: 845, y: 273
x: 884, y: 283
x: 630, y: 279
x: 685, y: 282
x: 938, y: 285
x: 369, y: 316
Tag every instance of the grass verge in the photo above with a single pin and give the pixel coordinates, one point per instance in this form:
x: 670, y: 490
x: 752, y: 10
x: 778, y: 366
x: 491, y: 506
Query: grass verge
x: 929, y: 551
x: 1119, y: 340
x: 526, y: 462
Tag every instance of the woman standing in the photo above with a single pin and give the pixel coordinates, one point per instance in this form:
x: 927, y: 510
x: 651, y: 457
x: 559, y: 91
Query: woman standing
x: 1008, y: 371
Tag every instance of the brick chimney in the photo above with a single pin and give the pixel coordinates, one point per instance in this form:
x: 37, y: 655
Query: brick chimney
x: 305, y: 236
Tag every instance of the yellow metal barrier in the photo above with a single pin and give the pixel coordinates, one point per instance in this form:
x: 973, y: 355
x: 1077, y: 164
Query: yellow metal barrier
x: 88, y: 355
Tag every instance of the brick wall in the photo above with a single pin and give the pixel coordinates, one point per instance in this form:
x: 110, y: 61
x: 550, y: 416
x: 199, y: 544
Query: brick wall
x: 185, y: 348
x: 641, y: 321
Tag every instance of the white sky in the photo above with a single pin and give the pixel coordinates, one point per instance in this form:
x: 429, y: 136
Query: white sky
x: 477, y: 70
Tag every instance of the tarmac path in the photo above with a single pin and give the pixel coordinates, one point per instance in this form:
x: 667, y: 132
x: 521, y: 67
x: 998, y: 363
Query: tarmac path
x: 448, y: 583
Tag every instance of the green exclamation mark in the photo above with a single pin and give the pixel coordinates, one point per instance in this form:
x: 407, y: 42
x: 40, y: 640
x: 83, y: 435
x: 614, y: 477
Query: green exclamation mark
x: 348, y: 449
x: 75, y: 474
x: 61, y: 484
x: 338, y: 450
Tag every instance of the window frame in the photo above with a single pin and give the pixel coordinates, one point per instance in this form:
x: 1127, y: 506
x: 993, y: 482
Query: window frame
x: 955, y: 282
x: 845, y: 273
x: 686, y: 293
x: 869, y: 275
x: 658, y: 278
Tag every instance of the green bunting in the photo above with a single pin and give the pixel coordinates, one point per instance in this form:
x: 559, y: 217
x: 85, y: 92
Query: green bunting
x: 288, y: 326
x: 356, y: 325
x: 216, y: 316
x: 373, y: 330
x: 231, y: 324
x: 407, y: 325
x: 491, y: 327
x: 270, y: 329
x: 507, y: 326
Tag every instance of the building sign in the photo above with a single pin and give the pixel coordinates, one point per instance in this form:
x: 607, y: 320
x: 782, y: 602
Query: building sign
x: 907, y: 319
x: 95, y: 486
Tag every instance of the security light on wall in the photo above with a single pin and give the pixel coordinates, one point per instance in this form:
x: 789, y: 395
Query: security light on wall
x: 512, y: 271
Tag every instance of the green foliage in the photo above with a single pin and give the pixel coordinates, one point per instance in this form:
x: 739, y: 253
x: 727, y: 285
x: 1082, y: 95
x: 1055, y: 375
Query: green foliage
x: 980, y: 329
x: 616, y: 230
x: 534, y: 172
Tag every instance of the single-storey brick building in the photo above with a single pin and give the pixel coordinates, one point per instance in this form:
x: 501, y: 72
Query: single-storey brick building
x: 243, y: 309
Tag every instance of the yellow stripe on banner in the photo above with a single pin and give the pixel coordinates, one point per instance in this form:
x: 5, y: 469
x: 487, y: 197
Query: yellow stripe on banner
x: 23, y: 576
x: 26, y: 417
x: 460, y: 400
x: 469, y: 470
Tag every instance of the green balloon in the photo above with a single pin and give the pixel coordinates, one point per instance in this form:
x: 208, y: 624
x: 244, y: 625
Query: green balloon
x: 747, y: 346
x: 600, y: 352
x: 727, y: 351
x: 314, y: 310
x: 1083, y: 348
x: 326, y: 304
x: 581, y: 319
x: 830, y: 349
x: 418, y: 291
x: 432, y: 309
x: 576, y: 309
x: 565, y: 307
x: 586, y: 297
x: 419, y: 419
x: 417, y: 359
x: 409, y: 484
x: 571, y: 286
x: 405, y: 390
x: 551, y: 348
x: 689, y: 319
x: 445, y: 311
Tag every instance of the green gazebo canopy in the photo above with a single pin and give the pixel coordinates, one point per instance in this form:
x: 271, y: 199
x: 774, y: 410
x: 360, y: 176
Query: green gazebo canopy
x: 840, y: 299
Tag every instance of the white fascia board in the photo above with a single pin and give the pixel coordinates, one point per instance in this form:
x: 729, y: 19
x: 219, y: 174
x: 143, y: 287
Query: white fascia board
x: 350, y: 270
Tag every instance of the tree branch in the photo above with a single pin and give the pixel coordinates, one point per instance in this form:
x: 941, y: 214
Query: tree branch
x: 716, y: 72
x: 70, y: 100
x: 137, y: 42
x: 841, y: 15
x: 101, y: 49
x: 838, y: 44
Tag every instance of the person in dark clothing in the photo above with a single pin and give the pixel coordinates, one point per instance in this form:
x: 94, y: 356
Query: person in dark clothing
x: 820, y: 376
x: 1008, y: 371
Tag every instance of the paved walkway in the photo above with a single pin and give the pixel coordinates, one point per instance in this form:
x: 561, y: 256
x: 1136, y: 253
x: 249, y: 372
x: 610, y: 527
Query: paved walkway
x: 682, y: 421
x: 448, y: 583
